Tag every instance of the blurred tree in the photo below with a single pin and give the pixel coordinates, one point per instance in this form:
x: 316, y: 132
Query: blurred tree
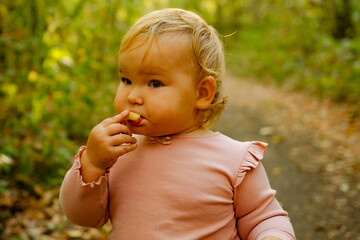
x: 343, y: 19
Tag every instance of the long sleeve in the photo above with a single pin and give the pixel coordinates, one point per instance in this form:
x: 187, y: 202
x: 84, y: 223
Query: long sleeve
x: 84, y: 204
x: 257, y: 211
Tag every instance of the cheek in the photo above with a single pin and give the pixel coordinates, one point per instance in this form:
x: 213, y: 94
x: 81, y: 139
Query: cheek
x: 174, y: 107
x: 117, y: 106
x: 119, y: 102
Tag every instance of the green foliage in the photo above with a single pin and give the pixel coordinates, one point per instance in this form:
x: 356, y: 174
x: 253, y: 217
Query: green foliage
x: 297, y: 44
x: 58, y: 65
x: 58, y: 79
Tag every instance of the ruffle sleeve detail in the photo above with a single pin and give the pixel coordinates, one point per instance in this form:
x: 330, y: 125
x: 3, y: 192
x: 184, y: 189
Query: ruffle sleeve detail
x: 77, y: 166
x: 251, y: 159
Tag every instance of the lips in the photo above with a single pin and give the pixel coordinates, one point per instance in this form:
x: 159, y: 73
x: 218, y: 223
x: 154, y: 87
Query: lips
x: 134, y: 119
x: 135, y: 123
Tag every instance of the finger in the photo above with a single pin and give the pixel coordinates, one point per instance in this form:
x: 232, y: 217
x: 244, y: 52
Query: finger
x: 117, y: 128
x: 122, y: 139
x: 115, y: 119
x: 123, y: 149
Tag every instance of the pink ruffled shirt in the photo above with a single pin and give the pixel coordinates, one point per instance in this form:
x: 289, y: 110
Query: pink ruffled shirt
x: 197, y: 187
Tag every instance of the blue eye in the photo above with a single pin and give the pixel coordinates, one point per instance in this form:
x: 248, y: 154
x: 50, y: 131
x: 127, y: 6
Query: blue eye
x: 156, y: 84
x: 126, y: 81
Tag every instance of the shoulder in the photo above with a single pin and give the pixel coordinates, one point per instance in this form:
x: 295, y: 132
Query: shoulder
x: 246, y: 155
x: 236, y: 146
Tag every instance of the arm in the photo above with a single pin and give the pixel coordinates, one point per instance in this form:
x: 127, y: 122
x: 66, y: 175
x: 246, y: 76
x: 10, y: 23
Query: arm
x: 84, y: 192
x: 258, y: 213
x: 84, y: 204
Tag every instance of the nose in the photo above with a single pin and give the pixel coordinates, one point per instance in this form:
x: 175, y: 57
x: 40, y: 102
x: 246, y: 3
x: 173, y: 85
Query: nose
x: 135, y: 96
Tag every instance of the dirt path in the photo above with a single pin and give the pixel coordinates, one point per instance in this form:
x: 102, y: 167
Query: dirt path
x: 313, y: 157
x: 312, y: 161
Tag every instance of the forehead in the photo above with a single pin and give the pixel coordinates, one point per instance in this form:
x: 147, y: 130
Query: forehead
x: 165, y: 49
x: 158, y: 41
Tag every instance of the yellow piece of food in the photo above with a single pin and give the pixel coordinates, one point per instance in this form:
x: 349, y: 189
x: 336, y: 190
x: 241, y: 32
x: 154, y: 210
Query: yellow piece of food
x: 133, y: 116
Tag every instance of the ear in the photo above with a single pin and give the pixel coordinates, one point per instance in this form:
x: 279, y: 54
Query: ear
x: 206, y: 92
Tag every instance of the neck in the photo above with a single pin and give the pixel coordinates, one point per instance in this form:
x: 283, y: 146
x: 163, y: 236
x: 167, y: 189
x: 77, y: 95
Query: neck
x: 188, y: 132
x: 196, y: 131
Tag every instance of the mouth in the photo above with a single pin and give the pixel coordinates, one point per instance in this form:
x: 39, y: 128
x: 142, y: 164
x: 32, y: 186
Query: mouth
x: 134, y: 119
x: 135, y: 123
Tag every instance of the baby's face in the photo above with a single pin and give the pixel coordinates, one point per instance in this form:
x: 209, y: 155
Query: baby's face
x: 160, y: 86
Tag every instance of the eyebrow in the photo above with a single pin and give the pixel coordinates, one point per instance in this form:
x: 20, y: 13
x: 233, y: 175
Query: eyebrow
x: 122, y: 71
x: 152, y: 71
x: 145, y: 72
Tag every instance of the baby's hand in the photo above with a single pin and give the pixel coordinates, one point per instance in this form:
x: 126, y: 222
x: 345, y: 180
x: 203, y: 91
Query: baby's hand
x: 107, y: 141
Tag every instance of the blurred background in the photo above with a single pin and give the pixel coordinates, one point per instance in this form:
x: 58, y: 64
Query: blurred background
x: 58, y: 76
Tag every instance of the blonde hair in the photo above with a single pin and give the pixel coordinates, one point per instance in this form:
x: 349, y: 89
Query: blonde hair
x: 206, y: 46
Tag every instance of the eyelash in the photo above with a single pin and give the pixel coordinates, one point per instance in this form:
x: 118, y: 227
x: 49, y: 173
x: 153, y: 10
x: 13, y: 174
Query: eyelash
x: 151, y: 83
x: 127, y: 81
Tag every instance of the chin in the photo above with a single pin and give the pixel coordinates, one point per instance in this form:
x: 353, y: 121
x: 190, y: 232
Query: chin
x: 139, y: 131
